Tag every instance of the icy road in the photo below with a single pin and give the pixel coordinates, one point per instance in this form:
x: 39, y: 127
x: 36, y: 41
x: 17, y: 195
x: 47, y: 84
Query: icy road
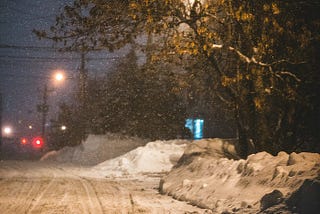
x: 38, y: 187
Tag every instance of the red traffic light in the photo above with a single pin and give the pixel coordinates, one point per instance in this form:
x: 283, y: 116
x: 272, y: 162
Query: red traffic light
x: 37, y: 142
x: 24, y: 141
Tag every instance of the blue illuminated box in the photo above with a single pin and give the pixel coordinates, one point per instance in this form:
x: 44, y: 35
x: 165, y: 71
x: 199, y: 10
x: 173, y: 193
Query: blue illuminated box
x: 196, y: 127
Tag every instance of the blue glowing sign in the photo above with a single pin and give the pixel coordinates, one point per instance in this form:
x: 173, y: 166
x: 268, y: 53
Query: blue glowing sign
x: 196, y: 127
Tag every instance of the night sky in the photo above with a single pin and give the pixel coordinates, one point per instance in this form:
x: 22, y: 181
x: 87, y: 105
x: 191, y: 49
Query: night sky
x: 24, y: 68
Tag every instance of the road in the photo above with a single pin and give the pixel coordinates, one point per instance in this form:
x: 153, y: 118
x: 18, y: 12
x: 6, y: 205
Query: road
x: 38, y: 187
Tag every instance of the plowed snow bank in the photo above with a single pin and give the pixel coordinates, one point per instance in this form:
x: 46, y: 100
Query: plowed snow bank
x: 108, y: 155
x: 95, y: 149
x: 155, y: 157
x: 206, y: 177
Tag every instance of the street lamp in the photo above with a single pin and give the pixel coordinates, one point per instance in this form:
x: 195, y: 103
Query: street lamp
x: 58, y: 76
x: 63, y: 128
x: 7, y: 130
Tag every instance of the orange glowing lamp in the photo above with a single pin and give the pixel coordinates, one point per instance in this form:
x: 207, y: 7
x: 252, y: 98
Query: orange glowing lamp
x: 24, y: 141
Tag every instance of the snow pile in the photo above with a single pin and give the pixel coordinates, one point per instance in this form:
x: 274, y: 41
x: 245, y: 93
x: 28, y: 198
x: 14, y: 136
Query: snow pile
x: 119, y: 156
x: 95, y: 149
x: 155, y: 157
x: 210, y: 175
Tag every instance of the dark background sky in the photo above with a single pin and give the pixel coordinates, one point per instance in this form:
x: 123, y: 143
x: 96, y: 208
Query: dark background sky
x: 24, y: 68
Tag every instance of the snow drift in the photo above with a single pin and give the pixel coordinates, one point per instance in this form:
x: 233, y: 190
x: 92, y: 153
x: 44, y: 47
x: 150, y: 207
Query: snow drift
x: 95, y: 149
x: 155, y: 157
x: 210, y: 175
x: 119, y: 156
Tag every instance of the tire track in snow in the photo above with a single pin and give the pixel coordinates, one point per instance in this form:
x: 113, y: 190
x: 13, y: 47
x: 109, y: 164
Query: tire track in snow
x: 11, y: 194
x: 51, y: 189
x: 94, y: 201
x: 22, y: 199
x: 36, y: 201
x: 95, y: 205
x: 113, y: 195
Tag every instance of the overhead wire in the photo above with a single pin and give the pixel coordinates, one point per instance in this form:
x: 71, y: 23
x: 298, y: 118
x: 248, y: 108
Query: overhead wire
x: 8, y: 57
x: 47, y: 48
x: 22, y: 47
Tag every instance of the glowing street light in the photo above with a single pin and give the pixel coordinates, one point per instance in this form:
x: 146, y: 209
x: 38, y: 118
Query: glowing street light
x: 7, y: 130
x: 59, y: 76
x: 63, y: 128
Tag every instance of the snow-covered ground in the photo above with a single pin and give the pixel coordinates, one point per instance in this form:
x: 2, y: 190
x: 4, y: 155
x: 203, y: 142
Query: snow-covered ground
x: 52, y: 187
x: 207, y: 173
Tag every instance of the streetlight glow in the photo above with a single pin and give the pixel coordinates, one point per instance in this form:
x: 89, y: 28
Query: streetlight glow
x: 59, y: 76
x: 7, y: 130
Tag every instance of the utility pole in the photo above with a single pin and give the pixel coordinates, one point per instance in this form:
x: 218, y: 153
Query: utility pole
x: 83, y: 81
x: 43, y: 108
x: 83, y: 95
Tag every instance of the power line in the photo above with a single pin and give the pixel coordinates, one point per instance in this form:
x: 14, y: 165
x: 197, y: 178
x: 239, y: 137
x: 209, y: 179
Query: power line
x: 55, y: 49
x: 10, y: 57
x: 59, y: 49
x: 24, y: 58
x: 5, y: 46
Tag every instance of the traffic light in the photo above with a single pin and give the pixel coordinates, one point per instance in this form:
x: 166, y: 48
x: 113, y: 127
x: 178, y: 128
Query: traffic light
x: 37, y: 142
x: 24, y: 141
